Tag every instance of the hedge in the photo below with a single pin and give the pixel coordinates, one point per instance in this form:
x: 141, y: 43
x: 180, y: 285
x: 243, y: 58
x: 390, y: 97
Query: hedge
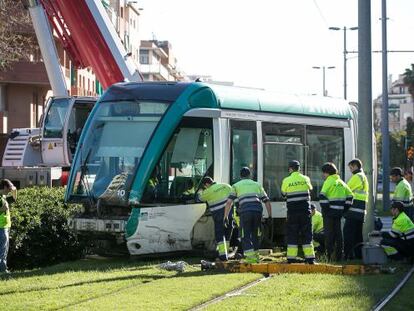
x: 40, y: 234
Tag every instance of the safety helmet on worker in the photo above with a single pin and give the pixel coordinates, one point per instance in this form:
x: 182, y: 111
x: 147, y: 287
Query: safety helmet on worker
x: 244, y: 172
x: 396, y: 171
x: 294, y: 164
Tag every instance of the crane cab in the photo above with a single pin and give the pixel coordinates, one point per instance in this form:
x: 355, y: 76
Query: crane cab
x: 61, y: 128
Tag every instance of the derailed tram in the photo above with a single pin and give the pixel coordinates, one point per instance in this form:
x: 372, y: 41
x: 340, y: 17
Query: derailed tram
x: 146, y: 147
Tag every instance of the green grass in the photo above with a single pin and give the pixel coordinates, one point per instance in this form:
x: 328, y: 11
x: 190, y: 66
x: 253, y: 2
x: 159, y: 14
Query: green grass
x: 122, y: 284
x: 312, y: 292
x: 114, y: 284
x: 404, y: 299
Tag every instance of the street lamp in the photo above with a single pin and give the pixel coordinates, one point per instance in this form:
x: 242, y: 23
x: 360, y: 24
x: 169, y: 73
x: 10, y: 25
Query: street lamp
x: 345, y: 51
x: 323, y: 76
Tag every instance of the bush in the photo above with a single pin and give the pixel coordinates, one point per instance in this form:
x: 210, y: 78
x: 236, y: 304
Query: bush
x: 40, y: 234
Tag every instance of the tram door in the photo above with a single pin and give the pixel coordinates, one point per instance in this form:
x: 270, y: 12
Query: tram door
x: 281, y: 143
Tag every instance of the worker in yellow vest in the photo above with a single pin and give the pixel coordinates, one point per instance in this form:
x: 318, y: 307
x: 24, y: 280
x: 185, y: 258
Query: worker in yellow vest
x: 399, y: 242
x: 296, y: 188
x: 9, y: 195
x: 354, y: 216
x: 402, y: 192
x: 216, y: 195
x: 251, y: 195
x: 335, y: 198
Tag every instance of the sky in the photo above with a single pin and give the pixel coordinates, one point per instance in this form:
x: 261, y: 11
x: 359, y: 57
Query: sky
x: 274, y: 44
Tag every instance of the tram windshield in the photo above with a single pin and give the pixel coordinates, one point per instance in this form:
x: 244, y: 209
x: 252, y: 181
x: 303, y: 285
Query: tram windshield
x: 114, y: 143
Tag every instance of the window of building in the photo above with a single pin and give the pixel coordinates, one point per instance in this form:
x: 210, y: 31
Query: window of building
x: 144, y: 56
x: 187, y: 158
x: 243, y: 148
x: 325, y: 145
x: 282, y: 143
x: 122, y: 12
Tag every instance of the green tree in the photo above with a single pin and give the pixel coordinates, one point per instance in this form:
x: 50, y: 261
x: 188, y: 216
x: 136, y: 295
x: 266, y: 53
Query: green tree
x: 17, y: 41
x: 409, y: 79
x: 397, y: 148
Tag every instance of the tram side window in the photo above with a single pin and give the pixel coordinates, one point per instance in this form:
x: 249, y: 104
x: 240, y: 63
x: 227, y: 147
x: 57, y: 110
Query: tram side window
x: 325, y: 145
x: 243, y: 148
x: 187, y: 158
x: 281, y: 143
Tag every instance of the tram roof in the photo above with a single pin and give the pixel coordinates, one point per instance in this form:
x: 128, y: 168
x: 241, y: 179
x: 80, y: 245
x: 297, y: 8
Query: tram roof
x: 230, y: 97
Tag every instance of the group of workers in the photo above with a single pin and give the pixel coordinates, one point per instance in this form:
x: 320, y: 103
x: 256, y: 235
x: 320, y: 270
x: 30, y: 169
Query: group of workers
x: 399, y: 242
x: 306, y: 227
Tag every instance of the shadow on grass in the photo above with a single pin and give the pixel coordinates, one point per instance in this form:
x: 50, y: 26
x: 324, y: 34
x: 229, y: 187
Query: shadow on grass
x: 99, y: 265
x: 146, y: 279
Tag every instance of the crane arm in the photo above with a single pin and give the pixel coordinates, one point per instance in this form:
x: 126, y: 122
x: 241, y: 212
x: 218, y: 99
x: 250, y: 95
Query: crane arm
x: 88, y: 35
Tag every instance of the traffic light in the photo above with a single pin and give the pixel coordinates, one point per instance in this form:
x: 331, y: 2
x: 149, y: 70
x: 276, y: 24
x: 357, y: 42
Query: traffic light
x: 410, y: 153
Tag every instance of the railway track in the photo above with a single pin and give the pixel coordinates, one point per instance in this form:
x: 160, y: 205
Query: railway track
x: 383, y: 302
x: 232, y: 293
x: 238, y: 291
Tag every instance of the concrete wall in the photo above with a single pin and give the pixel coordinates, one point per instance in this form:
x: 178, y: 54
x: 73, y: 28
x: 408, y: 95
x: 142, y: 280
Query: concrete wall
x: 24, y: 105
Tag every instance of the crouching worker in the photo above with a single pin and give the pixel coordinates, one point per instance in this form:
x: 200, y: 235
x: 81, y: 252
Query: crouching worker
x: 317, y: 230
x: 399, y: 242
x: 251, y: 195
x: 216, y: 195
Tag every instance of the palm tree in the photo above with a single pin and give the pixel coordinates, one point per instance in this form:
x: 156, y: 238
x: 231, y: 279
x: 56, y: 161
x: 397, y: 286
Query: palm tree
x: 409, y: 79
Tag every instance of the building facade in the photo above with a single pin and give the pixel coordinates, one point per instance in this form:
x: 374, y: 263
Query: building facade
x: 400, y: 106
x: 157, y: 61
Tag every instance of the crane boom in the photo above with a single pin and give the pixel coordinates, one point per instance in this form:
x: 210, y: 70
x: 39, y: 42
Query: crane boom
x: 48, y: 49
x: 88, y: 35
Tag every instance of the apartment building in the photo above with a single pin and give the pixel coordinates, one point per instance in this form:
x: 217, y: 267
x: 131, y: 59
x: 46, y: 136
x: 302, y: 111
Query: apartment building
x: 400, y: 106
x: 157, y: 61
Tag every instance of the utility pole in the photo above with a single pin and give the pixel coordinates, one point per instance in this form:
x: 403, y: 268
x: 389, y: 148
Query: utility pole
x: 365, y: 146
x: 345, y: 52
x: 384, y: 113
x: 324, y: 92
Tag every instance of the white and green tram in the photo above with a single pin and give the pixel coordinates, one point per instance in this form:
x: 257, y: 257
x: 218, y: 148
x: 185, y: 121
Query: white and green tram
x: 176, y: 133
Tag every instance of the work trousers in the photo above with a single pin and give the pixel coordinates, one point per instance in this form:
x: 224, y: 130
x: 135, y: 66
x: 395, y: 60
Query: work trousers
x: 404, y: 248
x: 320, y: 239
x: 353, y: 238
x: 333, y: 237
x: 250, y: 222
x: 299, y: 225
x: 4, y: 248
x: 222, y: 234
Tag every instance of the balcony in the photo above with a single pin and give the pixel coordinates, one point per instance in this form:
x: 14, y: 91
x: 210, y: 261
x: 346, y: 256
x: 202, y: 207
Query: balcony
x: 26, y: 73
x: 155, y: 69
x: 78, y: 91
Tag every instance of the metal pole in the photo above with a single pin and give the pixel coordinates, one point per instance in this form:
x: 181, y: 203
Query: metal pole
x: 365, y: 146
x: 345, y: 62
x: 323, y: 81
x: 384, y: 114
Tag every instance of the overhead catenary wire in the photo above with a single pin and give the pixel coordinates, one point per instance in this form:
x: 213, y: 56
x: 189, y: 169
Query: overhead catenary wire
x: 320, y: 13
